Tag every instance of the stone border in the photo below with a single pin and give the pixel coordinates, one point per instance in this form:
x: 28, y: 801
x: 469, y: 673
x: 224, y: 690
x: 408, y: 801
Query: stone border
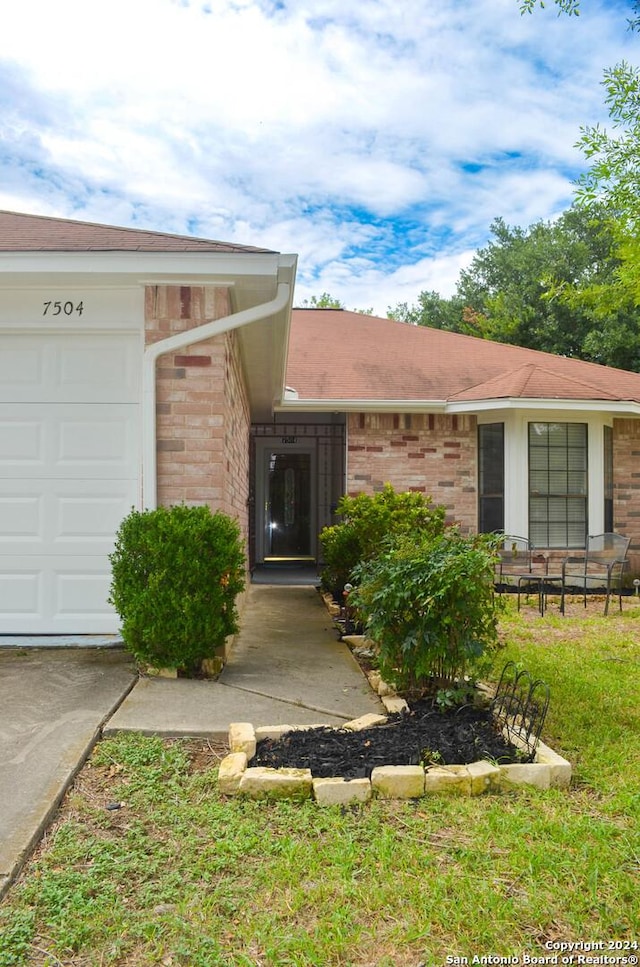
x: 236, y: 777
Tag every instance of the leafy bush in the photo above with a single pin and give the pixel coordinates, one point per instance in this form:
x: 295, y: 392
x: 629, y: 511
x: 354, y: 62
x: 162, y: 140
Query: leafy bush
x: 367, y: 521
x: 176, y: 573
x: 428, y: 603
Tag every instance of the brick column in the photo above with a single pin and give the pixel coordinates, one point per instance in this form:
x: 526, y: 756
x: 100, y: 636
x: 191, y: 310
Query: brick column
x: 202, y: 415
x: 626, y: 485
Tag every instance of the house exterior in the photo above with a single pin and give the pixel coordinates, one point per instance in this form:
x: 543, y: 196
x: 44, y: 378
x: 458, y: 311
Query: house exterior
x: 132, y: 365
x: 140, y: 368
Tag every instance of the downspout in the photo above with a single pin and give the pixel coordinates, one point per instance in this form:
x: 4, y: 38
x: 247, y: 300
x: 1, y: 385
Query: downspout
x: 173, y: 343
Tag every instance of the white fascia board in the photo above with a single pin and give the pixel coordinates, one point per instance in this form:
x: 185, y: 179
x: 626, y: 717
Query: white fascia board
x: 629, y: 407
x: 359, y: 406
x: 147, y: 266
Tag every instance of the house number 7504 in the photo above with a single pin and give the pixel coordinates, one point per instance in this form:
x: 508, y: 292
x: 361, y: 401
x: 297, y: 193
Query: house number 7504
x: 62, y: 308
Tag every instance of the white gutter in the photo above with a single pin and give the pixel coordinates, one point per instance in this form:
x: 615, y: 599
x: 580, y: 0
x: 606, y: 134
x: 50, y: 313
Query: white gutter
x: 179, y: 341
x: 361, y: 405
x: 290, y: 403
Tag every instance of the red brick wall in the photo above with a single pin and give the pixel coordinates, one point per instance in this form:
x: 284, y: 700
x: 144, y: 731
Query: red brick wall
x: 430, y: 453
x: 237, y: 427
x: 202, y: 409
x: 626, y: 485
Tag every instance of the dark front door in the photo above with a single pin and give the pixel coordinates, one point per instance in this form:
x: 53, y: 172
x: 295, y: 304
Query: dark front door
x: 288, y: 517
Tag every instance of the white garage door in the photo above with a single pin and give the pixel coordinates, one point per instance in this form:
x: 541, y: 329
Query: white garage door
x: 69, y: 473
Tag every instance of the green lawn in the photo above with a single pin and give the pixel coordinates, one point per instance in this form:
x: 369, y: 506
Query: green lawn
x: 182, y: 876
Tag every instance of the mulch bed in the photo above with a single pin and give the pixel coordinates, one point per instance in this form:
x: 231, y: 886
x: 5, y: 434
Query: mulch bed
x: 423, y: 735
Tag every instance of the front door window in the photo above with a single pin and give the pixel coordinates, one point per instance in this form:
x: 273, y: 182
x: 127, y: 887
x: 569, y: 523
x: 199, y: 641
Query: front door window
x: 288, y: 505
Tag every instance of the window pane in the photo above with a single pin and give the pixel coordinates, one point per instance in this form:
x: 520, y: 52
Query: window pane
x: 539, y: 459
x: 608, y: 479
x: 558, y: 483
x: 558, y: 497
x: 577, y: 435
x: 490, y: 477
x: 576, y: 535
x: 577, y: 459
x: 557, y: 434
x: 577, y: 483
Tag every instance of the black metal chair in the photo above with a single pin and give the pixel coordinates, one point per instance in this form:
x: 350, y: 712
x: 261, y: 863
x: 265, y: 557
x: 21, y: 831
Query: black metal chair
x: 602, y: 565
x: 520, y: 566
x: 514, y: 560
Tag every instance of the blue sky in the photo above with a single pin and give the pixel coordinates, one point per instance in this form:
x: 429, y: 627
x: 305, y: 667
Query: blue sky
x: 377, y: 139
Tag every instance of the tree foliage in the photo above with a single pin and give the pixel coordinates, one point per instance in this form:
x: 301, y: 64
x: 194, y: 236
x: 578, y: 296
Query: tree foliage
x: 612, y: 181
x: 553, y: 286
x: 324, y: 301
x: 613, y: 178
x: 564, y: 6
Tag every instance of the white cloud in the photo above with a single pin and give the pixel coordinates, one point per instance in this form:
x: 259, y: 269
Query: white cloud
x: 378, y: 139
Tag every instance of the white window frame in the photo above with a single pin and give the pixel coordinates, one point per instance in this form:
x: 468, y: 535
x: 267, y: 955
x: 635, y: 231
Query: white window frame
x: 516, y: 460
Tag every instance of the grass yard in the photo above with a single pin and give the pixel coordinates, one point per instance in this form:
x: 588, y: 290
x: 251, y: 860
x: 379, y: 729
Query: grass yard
x: 182, y: 876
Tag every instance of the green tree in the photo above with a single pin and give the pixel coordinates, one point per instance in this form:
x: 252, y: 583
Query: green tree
x: 324, y: 301
x: 327, y: 301
x: 613, y: 176
x: 553, y: 286
x: 564, y: 6
x: 432, y: 310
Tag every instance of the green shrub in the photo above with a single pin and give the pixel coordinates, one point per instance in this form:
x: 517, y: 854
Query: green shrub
x: 176, y: 573
x: 367, y: 521
x: 428, y: 603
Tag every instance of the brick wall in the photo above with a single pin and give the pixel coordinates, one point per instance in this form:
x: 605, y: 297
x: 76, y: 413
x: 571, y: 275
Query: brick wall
x: 626, y: 485
x: 202, y: 409
x: 430, y: 453
x: 237, y: 425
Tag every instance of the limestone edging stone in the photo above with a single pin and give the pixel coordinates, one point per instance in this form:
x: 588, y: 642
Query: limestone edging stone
x: 236, y: 777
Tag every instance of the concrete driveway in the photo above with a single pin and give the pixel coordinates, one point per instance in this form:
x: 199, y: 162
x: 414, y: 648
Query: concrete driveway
x: 53, y: 703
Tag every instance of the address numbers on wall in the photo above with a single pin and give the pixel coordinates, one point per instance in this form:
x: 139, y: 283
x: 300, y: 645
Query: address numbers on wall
x: 59, y: 308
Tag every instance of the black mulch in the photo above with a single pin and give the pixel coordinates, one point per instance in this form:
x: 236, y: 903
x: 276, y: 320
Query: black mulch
x: 422, y: 736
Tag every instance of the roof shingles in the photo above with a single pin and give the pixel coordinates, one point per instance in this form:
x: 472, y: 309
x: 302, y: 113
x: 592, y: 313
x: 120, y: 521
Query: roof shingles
x: 339, y: 355
x: 40, y: 233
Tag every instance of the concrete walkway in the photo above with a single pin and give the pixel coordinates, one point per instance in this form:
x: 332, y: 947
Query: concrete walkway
x: 286, y: 667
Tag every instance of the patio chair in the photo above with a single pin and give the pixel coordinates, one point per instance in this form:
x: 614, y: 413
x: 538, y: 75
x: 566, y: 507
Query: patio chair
x: 515, y: 560
x: 601, y: 565
x: 521, y: 567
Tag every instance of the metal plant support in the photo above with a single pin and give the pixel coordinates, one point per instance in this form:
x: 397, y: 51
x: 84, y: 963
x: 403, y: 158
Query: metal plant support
x: 520, y: 708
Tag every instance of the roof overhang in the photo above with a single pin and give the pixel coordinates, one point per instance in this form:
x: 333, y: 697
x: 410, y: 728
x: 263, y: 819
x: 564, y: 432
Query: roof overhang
x: 628, y: 407
x: 252, y: 279
x: 360, y: 406
x: 622, y: 407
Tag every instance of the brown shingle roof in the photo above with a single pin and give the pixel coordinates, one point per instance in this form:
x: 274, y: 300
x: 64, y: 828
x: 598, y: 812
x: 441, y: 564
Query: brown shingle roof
x: 340, y: 355
x: 39, y: 233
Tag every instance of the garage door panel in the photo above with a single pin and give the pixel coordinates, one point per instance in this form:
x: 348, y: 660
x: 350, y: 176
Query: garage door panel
x: 21, y: 518
x: 70, y: 367
x: 20, y: 594
x: 98, y: 371
x: 21, y: 442
x: 64, y: 518
x: 64, y: 596
x: 81, y: 592
x: 21, y: 368
x: 66, y: 440
x: 96, y: 442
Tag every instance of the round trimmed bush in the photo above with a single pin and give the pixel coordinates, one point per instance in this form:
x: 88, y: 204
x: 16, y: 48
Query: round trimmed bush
x: 176, y: 573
